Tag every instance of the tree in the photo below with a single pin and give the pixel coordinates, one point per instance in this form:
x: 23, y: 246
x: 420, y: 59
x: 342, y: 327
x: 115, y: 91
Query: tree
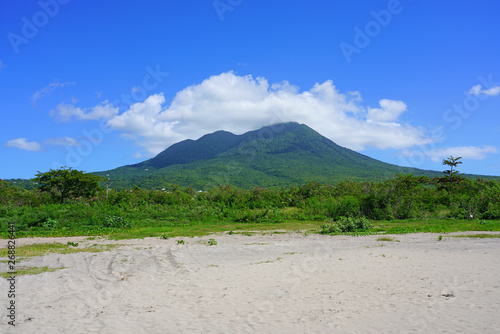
x: 453, y: 163
x: 65, y: 182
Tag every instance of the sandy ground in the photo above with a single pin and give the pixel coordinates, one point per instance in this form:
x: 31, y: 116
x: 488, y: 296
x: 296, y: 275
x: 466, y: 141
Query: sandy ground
x: 274, y: 283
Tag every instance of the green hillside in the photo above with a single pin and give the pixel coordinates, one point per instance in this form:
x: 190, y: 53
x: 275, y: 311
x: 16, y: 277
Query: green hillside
x: 273, y: 156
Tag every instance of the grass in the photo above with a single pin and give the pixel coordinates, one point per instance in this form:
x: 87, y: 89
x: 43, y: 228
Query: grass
x: 434, y: 226
x: 47, y: 248
x: 164, y: 229
x: 387, y: 226
x: 23, y: 252
x: 199, y: 230
x: 269, y: 261
x: 385, y: 239
x: 481, y: 236
x: 29, y: 271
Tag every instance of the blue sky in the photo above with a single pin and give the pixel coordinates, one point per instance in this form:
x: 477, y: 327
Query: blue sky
x: 99, y: 84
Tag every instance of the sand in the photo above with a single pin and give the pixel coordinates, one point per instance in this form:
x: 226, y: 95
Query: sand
x: 273, y: 283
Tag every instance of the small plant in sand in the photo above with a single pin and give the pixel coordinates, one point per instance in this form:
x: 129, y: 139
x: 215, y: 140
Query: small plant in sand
x: 345, y: 224
x: 212, y: 242
x: 180, y: 242
x: 71, y: 243
x: 164, y: 236
x: 47, y: 248
x: 30, y: 271
x: 385, y: 239
x: 440, y: 238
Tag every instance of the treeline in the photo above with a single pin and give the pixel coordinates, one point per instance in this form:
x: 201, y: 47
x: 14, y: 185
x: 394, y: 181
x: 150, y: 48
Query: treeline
x: 402, y: 197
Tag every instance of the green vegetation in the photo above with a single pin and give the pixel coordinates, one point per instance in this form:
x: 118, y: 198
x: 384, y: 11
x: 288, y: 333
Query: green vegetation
x: 281, y: 155
x: 481, y: 236
x: 385, y: 239
x: 29, y: 271
x: 65, y: 182
x: 345, y: 225
x: 403, y: 204
x: 212, y: 242
x: 28, y: 251
x: 453, y: 163
x: 47, y: 248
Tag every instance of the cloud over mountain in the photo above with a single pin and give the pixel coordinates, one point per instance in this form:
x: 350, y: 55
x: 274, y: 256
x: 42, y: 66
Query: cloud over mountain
x: 242, y: 103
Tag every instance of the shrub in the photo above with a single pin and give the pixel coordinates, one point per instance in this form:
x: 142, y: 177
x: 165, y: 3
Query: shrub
x: 212, y: 242
x: 116, y: 221
x: 329, y: 228
x: 493, y: 211
x: 48, y: 223
x: 346, y: 224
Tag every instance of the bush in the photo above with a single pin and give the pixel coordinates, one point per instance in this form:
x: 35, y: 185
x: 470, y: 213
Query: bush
x: 116, y: 221
x: 493, y: 211
x: 247, y: 215
x: 329, y: 228
x: 49, y: 223
x: 346, y: 224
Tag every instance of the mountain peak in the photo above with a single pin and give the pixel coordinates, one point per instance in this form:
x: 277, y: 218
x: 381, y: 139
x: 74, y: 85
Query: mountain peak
x: 212, y: 144
x: 275, y: 155
x: 189, y: 150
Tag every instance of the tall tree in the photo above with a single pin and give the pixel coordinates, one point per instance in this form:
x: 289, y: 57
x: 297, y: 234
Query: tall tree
x: 453, y: 163
x: 65, y: 182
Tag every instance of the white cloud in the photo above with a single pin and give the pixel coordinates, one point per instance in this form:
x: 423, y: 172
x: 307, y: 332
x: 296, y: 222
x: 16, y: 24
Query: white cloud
x: 144, y: 120
x: 62, y: 141
x: 477, y: 90
x: 466, y: 152
x: 24, y: 144
x: 242, y: 103
x: 138, y: 155
x: 48, y: 89
x: 65, y: 112
x: 389, y: 112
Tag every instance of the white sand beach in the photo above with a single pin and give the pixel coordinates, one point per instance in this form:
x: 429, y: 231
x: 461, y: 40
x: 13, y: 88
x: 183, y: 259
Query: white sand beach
x: 273, y: 283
